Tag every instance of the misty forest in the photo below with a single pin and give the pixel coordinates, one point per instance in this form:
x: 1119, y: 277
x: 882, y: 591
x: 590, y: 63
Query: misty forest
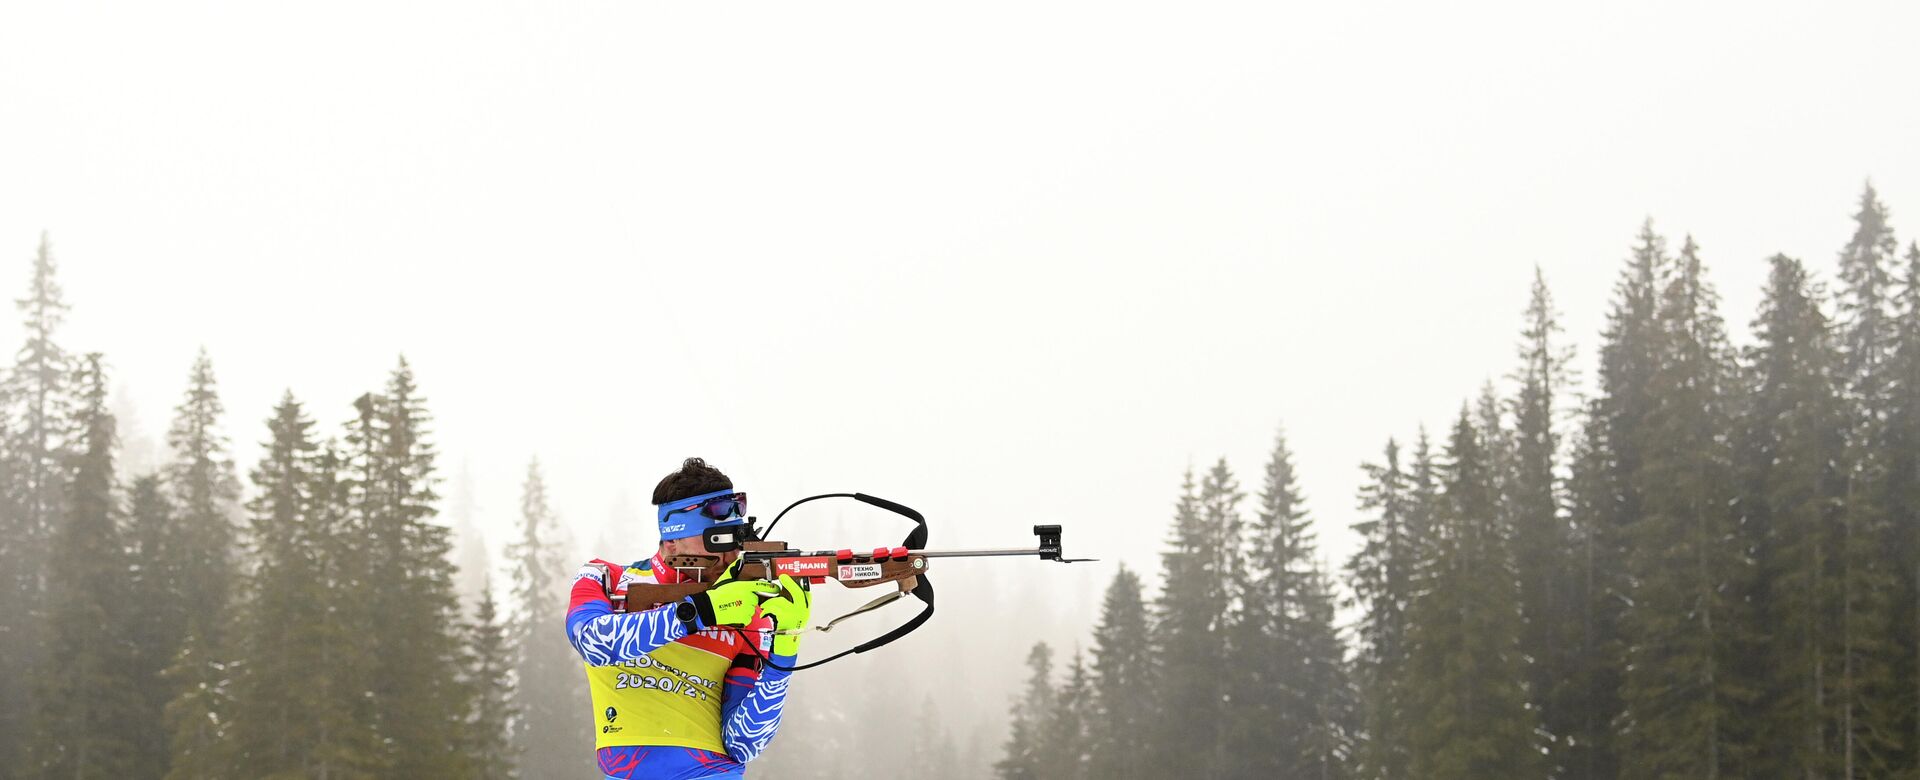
x: 1705, y: 566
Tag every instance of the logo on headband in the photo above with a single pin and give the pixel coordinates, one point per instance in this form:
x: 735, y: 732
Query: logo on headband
x: 673, y: 528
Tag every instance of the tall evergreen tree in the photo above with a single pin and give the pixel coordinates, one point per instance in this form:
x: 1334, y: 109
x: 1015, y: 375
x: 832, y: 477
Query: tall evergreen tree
x: 1541, y: 539
x: 1025, y: 753
x: 1605, y: 502
x: 204, y: 491
x: 287, y: 705
x: 417, y: 689
x: 1792, y: 442
x: 80, y: 729
x: 1869, y: 332
x: 1292, y: 705
x: 1190, y: 616
x: 1382, y: 576
x: 40, y: 395
x: 1687, y: 708
x: 1122, y: 683
x: 1464, y: 679
x: 552, y: 692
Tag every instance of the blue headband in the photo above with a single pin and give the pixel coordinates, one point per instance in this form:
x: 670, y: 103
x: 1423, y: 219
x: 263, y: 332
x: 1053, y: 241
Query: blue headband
x: 691, y: 523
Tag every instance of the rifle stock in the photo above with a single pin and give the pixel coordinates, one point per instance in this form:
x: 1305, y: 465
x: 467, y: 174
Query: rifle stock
x: 767, y: 561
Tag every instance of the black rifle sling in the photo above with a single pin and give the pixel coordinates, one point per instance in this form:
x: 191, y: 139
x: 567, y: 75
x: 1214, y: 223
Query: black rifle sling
x: 916, y: 539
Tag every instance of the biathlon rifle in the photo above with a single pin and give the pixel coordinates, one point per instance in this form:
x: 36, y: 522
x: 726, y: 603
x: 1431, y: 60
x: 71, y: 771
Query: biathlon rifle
x: 763, y: 559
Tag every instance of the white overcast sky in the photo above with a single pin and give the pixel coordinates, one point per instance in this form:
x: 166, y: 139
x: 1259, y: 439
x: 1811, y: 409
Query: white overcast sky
x: 1006, y: 262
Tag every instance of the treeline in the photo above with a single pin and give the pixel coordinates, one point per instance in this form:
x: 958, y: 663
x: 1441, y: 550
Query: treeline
x: 1709, y: 568
x: 159, y: 626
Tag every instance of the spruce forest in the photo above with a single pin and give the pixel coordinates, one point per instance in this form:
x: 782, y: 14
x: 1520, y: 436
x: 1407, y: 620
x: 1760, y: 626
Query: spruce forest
x: 301, y: 624
x: 1706, y: 566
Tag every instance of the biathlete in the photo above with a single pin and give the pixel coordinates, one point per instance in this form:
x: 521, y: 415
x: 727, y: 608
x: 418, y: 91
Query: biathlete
x: 682, y: 690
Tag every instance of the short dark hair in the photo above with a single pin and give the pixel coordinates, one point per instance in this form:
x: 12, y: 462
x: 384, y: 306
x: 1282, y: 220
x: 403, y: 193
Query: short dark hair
x: 694, y: 478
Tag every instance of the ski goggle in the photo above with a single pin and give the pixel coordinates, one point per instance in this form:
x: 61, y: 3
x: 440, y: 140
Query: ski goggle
x: 721, y: 507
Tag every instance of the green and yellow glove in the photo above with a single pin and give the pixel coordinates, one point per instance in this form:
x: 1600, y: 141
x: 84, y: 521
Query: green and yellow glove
x: 731, y: 602
x: 789, y: 611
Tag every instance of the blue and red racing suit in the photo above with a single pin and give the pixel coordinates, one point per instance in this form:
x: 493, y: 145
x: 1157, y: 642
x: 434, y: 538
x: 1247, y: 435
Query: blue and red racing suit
x: 669, y: 705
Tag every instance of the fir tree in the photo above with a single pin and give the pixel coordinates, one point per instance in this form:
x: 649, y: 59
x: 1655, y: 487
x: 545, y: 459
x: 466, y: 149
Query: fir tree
x: 80, y: 729
x: 1605, y: 502
x: 1791, y: 444
x: 1025, y: 753
x: 1464, y: 679
x: 1868, y: 331
x: 284, y: 704
x: 1381, y: 575
x: 417, y: 690
x: 1292, y: 703
x: 1190, y: 615
x: 204, y: 491
x: 496, y: 754
x: 1687, y: 708
x: 39, y: 394
x: 552, y: 692
x: 1122, y: 684
x: 1541, y: 541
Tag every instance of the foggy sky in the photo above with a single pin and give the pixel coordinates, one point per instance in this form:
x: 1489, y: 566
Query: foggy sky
x: 1006, y: 262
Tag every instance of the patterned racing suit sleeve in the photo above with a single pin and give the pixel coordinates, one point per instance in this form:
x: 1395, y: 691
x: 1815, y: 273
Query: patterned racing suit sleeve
x: 750, y: 713
x: 603, y: 637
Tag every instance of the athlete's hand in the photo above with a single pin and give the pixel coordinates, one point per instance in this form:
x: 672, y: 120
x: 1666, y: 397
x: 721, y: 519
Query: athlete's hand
x: 789, y: 611
x: 731, y: 603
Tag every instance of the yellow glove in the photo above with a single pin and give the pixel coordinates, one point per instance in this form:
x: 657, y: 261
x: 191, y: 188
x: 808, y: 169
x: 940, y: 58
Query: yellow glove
x: 789, y: 611
x: 731, y: 602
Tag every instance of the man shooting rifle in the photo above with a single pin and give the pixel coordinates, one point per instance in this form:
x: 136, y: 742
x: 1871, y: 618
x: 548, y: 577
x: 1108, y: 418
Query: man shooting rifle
x: 683, y: 690
x: 688, y: 653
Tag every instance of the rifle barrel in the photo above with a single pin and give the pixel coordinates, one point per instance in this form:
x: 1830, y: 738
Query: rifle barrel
x: 1007, y: 551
